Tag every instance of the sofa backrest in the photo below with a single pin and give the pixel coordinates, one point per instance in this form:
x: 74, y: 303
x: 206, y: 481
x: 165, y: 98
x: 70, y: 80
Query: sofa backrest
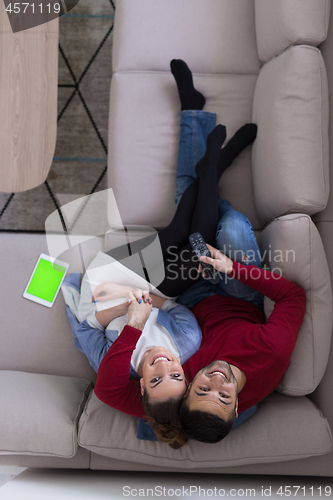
x: 290, y: 155
x: 213, y: 37
x: 280, y: 24
x: 292, y: 247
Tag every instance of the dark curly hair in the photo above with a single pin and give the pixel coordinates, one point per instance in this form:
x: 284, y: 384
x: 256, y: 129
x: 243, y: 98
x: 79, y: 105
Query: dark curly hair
x: 164, y: 417
x: 204, y: 426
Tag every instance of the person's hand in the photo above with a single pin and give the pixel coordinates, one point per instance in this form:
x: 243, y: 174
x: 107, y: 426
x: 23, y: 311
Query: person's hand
x: 122, y: 308
x: 139, y: 309
x: 105, y: 316
x: 218, y: 260
x: 110, y: 291
x: 141, y: 296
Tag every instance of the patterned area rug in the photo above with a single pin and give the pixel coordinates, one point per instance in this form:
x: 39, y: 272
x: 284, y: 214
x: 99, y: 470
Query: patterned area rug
x: 80, y: 159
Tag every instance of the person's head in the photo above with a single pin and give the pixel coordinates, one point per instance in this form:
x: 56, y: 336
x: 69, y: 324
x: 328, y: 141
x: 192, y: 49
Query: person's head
x: 208, y: 411
x: 163, y: 386
x: 162, y: 376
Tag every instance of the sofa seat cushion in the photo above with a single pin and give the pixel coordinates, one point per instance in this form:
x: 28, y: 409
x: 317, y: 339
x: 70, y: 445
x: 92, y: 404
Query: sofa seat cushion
x: 292, y: 246
x: 274, y: 433
x: 145, y: 110
x: 39, y: 413
x: 282, y: 23
x: 39, y: 339
x: 211, y: 36
x: 290, y: 155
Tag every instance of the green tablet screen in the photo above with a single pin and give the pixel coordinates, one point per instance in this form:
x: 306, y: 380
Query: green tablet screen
x: 46, y: 280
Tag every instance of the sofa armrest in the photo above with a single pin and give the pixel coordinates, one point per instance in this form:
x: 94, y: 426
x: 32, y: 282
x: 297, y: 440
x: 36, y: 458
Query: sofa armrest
x: 291, y: 246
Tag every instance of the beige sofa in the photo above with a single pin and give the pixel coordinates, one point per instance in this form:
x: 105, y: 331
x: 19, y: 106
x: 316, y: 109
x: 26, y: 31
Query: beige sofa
x: 255, y: 60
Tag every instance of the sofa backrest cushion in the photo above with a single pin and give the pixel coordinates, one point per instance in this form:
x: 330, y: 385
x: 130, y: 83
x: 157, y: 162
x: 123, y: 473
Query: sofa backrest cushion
x: 39, y: 413
x: 281, y: 23
x: 291, y: 246
x: 213, y: 37
x: 145, y: 106
x: 290, y: 155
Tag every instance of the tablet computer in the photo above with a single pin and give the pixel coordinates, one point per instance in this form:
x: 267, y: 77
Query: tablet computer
x: 45, y: 280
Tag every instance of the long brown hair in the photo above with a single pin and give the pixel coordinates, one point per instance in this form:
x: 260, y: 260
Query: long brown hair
x: 164, y: 417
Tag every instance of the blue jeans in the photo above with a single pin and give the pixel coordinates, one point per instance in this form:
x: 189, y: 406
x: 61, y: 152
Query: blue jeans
x: 195, y: 126
x: 234, y: 234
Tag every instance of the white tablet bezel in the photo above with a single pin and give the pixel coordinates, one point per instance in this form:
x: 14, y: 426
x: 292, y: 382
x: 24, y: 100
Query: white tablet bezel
x: 38, y: 300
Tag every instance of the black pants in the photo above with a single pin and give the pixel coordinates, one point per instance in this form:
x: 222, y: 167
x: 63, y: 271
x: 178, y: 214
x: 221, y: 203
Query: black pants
x: 197, y: 212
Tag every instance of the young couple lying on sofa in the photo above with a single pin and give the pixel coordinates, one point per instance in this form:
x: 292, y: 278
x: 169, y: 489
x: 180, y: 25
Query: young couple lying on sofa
x: 147, y: 350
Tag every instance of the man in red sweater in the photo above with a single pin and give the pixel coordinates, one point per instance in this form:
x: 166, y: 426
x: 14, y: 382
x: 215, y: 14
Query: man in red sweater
x: 242, y: 357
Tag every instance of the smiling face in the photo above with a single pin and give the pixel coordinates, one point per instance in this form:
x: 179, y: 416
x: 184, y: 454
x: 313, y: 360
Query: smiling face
x: 162, y: 375
x: 214, y: 390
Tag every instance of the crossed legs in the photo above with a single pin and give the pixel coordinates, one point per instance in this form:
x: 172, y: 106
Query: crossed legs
x: 197, y: 182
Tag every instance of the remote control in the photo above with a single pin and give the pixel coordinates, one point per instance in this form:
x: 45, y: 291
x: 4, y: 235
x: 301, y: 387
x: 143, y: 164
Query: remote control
x: 199, y: 246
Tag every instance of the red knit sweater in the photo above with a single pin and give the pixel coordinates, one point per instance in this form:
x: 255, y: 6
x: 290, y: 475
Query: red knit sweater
x: 237, y: 332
